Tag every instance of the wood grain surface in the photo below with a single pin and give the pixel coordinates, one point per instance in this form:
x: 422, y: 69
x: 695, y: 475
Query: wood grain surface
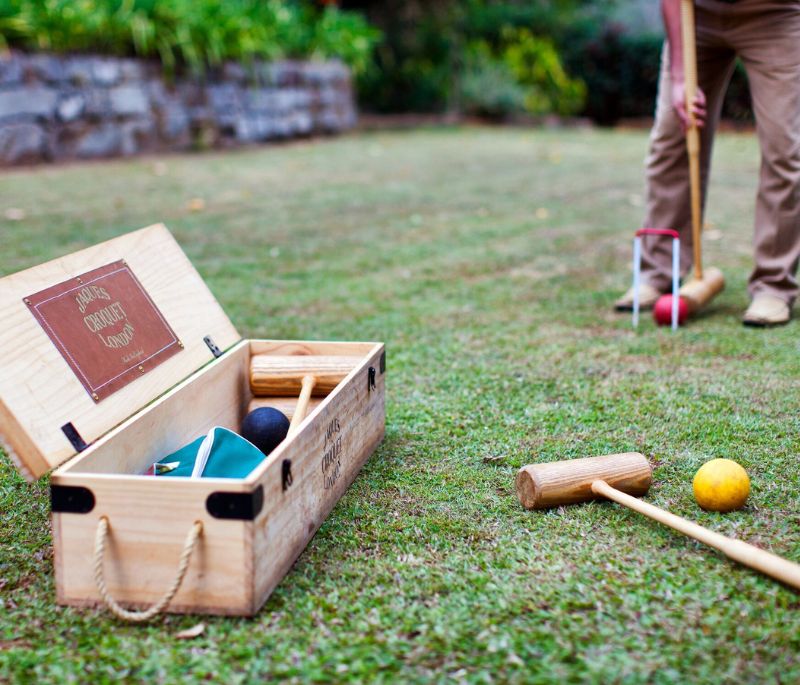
x: 237, y: 563
x: 552, y: 484
x: 283, y: 374
x: 326, y: 455
x: 39, y: 393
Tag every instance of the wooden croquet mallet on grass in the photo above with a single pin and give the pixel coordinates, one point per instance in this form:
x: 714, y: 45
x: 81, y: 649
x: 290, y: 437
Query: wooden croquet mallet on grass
x: 705, y: 284
x: 619, y: 477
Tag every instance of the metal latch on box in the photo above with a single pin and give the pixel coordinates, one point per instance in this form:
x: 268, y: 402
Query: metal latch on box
x: 213, y: 347
x: 75, y: 439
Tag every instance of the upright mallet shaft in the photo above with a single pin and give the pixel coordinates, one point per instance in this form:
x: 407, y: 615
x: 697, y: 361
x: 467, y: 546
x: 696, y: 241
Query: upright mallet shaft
x: 705, y: 285
x: 692, y: 132
x: 619, y: 476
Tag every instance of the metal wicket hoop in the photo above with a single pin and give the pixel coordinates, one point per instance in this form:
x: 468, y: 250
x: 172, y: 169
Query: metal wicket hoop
x: 637, y: 266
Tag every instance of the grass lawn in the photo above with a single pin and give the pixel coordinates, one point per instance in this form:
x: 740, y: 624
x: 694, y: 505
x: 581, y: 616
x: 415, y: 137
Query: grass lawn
x: 488, y: 261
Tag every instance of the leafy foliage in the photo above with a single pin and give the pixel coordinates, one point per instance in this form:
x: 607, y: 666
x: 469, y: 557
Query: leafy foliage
x: 535, y: 63
x: 489, y: 87
x: 193, y: 33
x: 477, y: 55
x: 524, y: 74
x: 620, y: 70
x: 570, y: 56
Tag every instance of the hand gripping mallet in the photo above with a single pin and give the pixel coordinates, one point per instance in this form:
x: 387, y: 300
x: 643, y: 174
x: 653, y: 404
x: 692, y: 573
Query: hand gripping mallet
x: 619, y: 476
x: 705, y: 285
x: 637, y: 269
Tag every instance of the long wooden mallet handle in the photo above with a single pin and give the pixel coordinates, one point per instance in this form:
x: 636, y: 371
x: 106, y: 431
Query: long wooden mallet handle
x: 692, y: 133
x: 759, y: 559
x: 301, y: 409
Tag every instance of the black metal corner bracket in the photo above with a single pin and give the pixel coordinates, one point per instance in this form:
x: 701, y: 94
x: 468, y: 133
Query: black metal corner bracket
x: 242, y: 506
x: 71, y: 499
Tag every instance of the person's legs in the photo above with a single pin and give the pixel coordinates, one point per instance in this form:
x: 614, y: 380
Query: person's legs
x: 667, y: 165
x: 768, y: 41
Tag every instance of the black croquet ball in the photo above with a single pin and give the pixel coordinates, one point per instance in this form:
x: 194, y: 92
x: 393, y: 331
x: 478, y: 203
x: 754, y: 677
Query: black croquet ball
x: 265, y: 427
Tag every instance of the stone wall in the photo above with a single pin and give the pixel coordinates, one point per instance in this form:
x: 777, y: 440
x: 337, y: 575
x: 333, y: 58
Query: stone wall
x: 80, y: 107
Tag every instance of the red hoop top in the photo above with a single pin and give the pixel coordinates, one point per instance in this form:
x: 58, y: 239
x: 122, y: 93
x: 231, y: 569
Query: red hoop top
x: 658, y: 231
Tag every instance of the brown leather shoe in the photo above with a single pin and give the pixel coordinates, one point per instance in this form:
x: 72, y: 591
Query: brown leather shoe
x: 767, y: 310
x: 647, y: 298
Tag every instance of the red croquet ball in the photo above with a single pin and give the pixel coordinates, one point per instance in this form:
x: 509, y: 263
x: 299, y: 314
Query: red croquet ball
x: 662, y: 311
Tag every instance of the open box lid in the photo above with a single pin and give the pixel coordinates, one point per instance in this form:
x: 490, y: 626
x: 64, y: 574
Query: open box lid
x: 89, y: 339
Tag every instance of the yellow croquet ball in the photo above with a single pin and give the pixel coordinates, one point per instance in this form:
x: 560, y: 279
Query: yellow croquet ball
x: 721, y: 485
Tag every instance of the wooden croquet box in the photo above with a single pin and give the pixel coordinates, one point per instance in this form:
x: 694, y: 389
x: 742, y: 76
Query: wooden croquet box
x: 101, y: 437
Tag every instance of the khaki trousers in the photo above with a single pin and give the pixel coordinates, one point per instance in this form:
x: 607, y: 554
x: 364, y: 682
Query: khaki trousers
x: 765, y: 35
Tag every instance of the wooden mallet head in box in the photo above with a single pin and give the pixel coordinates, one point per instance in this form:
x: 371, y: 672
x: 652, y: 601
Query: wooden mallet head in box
x: 283, y: 375
x: 293, y: 374
x: 620, y: 476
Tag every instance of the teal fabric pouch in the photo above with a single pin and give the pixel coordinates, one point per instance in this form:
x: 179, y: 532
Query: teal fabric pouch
x: 220, y: 454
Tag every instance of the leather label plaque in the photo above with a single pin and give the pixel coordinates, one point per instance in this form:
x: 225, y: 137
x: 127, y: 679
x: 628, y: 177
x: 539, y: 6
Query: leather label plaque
x: 106, y: 327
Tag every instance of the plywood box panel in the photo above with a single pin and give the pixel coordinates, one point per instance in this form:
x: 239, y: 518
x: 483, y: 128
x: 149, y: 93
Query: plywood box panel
x: 39, y: 393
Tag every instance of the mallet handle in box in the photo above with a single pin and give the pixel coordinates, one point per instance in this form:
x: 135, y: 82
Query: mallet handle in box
x: 287, y: 405
x: 302, y: 403
x: 759, y: 559
x: 692, y: 134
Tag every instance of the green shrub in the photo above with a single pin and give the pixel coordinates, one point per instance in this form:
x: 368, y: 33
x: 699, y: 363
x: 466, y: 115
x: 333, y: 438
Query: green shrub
x: 190, y: 33
x: 535, y: 64
x: 429, y: 48
x: 490, y: 89
x: 522, y: 74
x: 415, y: 63
x: 345, y: 35
x: 427, y: 61
x: 620, y: 70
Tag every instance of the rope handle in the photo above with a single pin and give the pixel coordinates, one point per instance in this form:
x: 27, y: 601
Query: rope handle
x: 158, y: 607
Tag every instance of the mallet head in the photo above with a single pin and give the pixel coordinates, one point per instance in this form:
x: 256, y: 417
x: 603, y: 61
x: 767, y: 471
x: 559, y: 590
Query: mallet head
x: 272, y: 374
x: 540, y: 486
x: 698, y: 292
